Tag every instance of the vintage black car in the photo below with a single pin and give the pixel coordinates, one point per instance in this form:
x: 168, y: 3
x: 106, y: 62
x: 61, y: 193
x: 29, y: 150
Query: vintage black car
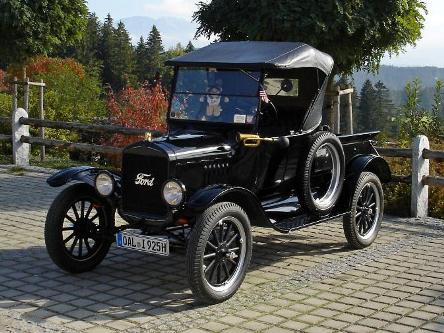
x: 247, y: 145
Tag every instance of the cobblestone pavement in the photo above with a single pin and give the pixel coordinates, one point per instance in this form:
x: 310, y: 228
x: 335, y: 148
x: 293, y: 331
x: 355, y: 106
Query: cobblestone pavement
x: 307, y: 281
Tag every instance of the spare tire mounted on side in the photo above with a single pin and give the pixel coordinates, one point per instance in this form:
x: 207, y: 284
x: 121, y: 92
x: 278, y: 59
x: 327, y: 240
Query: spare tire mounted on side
x: 321, y: 173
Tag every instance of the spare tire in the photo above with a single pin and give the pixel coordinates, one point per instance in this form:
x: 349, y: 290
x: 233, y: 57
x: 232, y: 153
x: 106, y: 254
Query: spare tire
x: 321, y: 173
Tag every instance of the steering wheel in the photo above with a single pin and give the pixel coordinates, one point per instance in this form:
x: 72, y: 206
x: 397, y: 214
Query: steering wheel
x: 273, y: 107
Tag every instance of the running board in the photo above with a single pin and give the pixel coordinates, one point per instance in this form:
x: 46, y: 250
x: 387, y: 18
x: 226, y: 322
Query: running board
x: 288, y: 225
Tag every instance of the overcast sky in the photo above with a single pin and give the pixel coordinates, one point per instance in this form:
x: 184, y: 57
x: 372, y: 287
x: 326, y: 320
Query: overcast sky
x: 428, y: 52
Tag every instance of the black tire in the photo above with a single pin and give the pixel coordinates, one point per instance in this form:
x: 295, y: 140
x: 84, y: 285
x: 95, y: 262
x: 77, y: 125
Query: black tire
x: 223, y: 224
x: 76, y: 227
x: 362, y: 225
x: 322, y: 170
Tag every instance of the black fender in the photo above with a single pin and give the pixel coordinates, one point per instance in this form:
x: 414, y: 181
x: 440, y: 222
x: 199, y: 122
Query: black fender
x: 206, y: 197
x: 84, y: 174
x: 371, y: 163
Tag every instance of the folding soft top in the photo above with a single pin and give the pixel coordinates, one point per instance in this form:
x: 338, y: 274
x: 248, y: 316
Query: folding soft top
x: 256, y: 55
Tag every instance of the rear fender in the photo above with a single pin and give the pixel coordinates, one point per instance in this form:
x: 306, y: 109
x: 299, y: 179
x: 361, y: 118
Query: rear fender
x: 246, y: 199
x: 372, y: 163
x: 360, y: 164
x: 84, y: 174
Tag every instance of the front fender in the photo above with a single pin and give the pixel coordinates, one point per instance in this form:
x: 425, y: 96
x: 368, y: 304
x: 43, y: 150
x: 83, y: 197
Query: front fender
x: 206, y: 197
x: 84, y: 174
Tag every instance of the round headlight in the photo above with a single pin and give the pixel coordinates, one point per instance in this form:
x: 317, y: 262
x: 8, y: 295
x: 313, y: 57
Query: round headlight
x: 104, y: 184
x: 173, y: 193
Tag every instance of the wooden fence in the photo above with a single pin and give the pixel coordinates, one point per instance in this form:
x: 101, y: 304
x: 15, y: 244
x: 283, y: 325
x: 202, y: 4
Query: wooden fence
x: 420, y: 152
x: 420, y: 179
x: 20, y: 129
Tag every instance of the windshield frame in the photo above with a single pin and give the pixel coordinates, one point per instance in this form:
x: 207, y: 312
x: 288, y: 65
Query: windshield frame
x: 205, y: 123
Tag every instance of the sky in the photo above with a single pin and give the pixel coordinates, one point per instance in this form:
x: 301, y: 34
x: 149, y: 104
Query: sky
x: 429, y: 51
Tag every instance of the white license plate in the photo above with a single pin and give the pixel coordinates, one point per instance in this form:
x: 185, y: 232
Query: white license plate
x: 150, y: 244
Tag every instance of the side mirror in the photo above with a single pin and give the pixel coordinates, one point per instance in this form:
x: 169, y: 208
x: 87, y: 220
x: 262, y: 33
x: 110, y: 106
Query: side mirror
x: 286, y: 85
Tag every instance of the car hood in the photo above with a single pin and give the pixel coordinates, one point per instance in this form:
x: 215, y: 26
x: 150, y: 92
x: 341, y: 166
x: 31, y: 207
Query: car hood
x: 192, y: 146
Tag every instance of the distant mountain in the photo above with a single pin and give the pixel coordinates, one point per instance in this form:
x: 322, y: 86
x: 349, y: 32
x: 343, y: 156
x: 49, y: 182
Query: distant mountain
x: 173, y: 29
x: 395, y: 78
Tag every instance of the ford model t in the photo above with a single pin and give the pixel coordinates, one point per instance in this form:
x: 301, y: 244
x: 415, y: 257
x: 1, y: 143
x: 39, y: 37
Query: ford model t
x: 247, y: 145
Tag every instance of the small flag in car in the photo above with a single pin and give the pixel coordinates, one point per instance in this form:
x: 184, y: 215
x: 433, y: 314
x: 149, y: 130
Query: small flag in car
x: 263, y: 95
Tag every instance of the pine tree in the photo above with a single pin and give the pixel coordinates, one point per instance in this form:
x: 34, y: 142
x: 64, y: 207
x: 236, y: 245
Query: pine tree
x: 107, y: 51
x: 190, y: 47
x: 154, y: 53
x: 366, y: 117
x: 123, y: 61
x: 141, y: 61
x: 87, y: 51
x: 385, y: 114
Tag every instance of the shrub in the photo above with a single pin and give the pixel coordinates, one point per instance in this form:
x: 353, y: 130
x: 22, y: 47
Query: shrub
x: 143, y: 107
x: 71, y: 93
x: 416, y: 120
x: 3, y: 85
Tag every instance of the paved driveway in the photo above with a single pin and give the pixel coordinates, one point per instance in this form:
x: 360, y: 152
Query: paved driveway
x: 308, y: 281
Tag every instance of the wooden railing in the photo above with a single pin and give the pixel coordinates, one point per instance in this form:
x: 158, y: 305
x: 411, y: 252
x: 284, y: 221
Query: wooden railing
x: 20, y: 135
x: 420, y: 179
x: 420, y: 152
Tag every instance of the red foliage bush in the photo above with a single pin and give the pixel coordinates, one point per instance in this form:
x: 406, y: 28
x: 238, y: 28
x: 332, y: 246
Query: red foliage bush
x: 3, y: 86
x: 143, y: 107
x: 43, y: 64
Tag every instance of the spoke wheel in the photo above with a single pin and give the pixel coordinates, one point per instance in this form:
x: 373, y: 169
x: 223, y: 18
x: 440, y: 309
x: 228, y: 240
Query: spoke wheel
x: 219, y: 252
x: 76, y: 228
x: 224, y: 253
x: 364, y: 221
x: 81, y: 228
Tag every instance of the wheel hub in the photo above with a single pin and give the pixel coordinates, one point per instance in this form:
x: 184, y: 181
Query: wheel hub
x: 222, y: 250
x: 84, y: 227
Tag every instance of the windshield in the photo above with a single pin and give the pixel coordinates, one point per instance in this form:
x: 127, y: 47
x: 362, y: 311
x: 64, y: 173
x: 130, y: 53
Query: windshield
x: 208, y: 94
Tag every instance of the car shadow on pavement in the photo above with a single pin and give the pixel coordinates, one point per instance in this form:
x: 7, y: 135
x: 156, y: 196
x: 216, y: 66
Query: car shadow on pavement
x: 131, y: 284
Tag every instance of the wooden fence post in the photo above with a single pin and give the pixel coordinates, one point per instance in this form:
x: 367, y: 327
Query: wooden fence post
x: 349, y: 113
x: 14, y: 94
x: 26, y: 95
x: 42, y: 117
x: 20, y: 151
x: 420, y: 169
x: 337, y: 111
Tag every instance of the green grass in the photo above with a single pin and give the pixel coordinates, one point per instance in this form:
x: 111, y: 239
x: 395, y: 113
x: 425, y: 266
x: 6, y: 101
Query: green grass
x: 55, y: 162
x: 5, y: 159
x: 16, y: 170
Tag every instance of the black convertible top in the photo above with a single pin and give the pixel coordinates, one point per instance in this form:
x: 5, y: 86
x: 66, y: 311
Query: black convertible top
x: 256, y: 55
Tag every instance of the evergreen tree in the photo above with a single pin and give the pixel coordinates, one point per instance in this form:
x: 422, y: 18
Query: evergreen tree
x: 385, y: 114
x: 154, y: 53
x: 123, y: 61
x: 87, y: 51
x: 141, y: 61
x: 107, y: 50
x: 366, y: 117
x: 190, y: 47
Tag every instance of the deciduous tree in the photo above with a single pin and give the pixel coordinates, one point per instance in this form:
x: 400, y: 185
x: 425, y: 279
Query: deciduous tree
x: 29, y: 28
x: 356, y: 33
